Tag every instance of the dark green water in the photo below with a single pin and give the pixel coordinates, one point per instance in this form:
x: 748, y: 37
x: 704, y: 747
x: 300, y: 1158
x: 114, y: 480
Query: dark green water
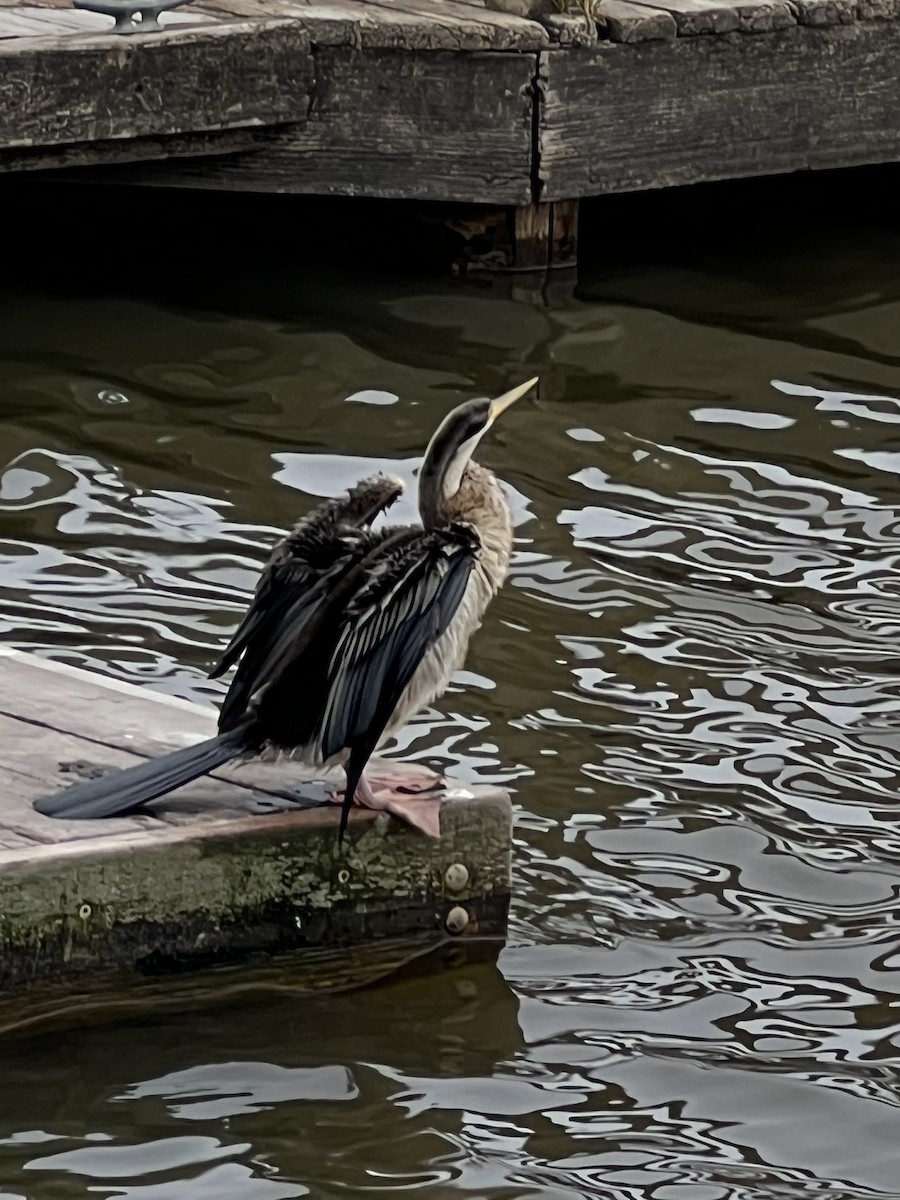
x: 691, y: 680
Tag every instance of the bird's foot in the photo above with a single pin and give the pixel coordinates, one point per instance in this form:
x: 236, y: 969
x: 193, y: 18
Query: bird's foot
x: 402, y: 794
x: 410, y: 781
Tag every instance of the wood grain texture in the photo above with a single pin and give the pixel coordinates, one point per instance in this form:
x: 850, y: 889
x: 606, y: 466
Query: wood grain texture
x: 397, y: 24
x: 28, y: 20
x: 141, y: 149
x: 425, y: 126
x: 820, y: 14
x: 95, y: 722
x: 145, y: 893
x: 878, y: 10
x: 44, y: 20
x: 626, y: 22
x: 621, y: 118
x: 188, y: 80
x: 435, y: 99
x: 693, y: 17
x: 20, y: 24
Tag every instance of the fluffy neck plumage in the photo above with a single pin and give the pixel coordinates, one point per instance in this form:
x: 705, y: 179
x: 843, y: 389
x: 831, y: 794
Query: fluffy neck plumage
x: 479, y: 503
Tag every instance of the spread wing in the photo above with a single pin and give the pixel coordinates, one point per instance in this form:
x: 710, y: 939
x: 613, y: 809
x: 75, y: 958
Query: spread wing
x: 344, y: 656
x: 322, y: 547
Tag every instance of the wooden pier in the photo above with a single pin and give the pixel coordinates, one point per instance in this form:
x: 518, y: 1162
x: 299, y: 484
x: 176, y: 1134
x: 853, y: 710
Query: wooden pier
x: 224, y: 871
x: 526, y: 110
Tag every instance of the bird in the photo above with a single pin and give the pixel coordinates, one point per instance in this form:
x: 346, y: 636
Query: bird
x: 351, y: 630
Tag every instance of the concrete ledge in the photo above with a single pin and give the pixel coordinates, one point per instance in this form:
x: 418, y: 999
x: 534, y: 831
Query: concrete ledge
x: 202, y: 881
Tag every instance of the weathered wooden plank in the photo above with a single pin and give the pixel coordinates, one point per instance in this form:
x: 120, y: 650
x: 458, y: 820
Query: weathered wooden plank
x: 693, y: 17
x: 621, y: 118
x: 190, y: 80
x: 425, y: 126
x: 820, y: 14
x: 878, y: 10
x: 58, y: 16
x: 626, y: 22
x: 369, y: 26
x: 50, y: 7
x: 96, y: 723
x: 141, y: 149
x: 142, y: 894
x: 494, y: 30
x: 766, y: 16
x: 397, y: 24
x: 19, y: 24
x: 37, y: 761
x: 47, y: 22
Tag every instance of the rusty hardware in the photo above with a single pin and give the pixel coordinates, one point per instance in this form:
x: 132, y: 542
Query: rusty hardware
x: 132, y: 16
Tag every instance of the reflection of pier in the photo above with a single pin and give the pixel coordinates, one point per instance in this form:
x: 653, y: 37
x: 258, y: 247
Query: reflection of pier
x: 225, y: 869
x: 448, y: 100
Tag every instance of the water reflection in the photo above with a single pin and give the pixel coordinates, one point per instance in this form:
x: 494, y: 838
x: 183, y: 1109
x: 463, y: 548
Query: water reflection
x: 690, y: 681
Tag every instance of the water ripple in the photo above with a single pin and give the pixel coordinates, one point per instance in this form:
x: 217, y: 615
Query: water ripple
x: 691, y: 683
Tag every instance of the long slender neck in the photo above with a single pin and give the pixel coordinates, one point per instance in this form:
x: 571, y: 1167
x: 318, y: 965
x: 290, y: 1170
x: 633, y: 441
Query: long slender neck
x: 431, y: 498
x: 444, y: 468
x: 481, y: 505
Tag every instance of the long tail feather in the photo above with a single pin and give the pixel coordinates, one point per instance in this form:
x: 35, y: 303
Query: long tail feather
x: 122, y: 792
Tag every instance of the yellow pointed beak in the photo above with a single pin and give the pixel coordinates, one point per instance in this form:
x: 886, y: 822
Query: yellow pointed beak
x: 502, y: 403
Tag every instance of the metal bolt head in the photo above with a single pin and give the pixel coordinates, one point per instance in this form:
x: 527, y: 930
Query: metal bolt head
x: 456, y: 877
x: 457, y: 919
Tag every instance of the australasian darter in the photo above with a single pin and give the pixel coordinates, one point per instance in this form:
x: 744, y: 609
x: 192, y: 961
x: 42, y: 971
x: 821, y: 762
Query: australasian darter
x: 351, y: 631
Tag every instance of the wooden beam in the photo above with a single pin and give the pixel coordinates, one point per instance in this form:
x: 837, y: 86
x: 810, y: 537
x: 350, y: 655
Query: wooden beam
x: 188, y: 80
x: 545, y: 236
x: 66, y: 158
x: 388, y: 124
x: 446, y: 101
x: 628, y: 117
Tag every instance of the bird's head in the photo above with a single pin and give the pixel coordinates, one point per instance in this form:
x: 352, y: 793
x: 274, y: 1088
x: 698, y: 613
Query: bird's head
x: 452, y: 446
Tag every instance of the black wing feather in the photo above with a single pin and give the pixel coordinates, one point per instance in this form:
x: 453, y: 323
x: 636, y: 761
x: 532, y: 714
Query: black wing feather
x: 382, y: 644
x: 323, y: 545
x: 335, y: 652
x: 265, y: 609
x: 381, y: 650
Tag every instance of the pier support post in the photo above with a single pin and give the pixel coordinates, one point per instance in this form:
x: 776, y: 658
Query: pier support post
x: 544, y: 235
x: 528, y: 238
